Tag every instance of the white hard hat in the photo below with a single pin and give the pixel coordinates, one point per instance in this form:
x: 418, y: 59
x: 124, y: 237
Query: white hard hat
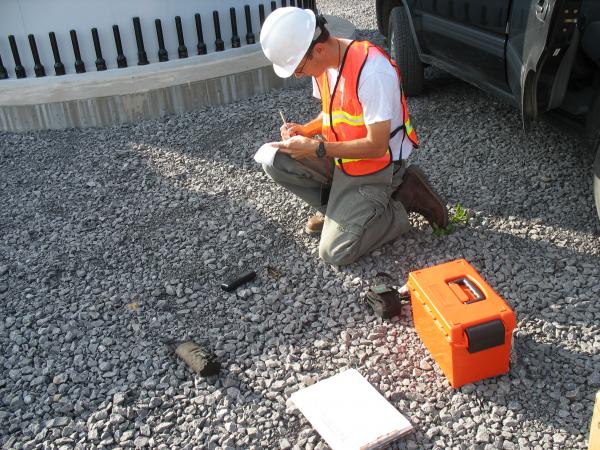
x: 285, y: 37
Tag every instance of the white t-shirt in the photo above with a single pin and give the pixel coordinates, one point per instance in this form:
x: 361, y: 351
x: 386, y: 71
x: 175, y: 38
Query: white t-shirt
x: 379, y: 95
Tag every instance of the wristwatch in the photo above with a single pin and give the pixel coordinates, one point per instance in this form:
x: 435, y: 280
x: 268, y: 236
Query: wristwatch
x: 321, y: 150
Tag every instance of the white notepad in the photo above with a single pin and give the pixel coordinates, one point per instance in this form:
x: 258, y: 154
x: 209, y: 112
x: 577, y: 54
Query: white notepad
x: 349, y: 413
x: 265, y: 154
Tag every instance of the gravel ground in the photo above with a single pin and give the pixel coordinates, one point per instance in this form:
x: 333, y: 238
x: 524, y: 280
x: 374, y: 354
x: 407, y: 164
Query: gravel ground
x: 113, y: 244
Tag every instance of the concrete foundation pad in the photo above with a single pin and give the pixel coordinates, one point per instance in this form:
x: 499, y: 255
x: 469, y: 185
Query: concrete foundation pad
x: 98, y: 99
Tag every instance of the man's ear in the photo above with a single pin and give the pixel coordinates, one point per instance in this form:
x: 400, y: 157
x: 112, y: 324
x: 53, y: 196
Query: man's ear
x: 319, y: 48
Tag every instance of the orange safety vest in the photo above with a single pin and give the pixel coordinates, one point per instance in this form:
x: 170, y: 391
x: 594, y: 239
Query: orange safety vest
x: 343, y: 118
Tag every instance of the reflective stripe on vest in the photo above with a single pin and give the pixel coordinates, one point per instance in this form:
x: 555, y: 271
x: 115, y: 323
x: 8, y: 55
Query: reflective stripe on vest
x: 409, y: 130
x: 343, y: 118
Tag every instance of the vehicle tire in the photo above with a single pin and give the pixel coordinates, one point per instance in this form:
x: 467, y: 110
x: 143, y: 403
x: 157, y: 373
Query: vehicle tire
x: 593, y: 135
x: 404, y: 52
x: 597, y: 181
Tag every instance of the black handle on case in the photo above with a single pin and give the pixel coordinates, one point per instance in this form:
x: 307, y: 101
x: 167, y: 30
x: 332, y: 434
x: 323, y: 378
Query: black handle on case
x: 472, y: 287
x: 485, y: 335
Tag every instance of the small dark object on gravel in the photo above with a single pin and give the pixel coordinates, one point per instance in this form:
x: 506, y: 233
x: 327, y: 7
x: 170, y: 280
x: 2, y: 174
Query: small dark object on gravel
x: 235, y: 282
x: 198, y: 359
x: 385, y: 301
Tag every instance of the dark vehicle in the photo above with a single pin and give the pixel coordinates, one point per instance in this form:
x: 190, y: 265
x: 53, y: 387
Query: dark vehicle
x: 543, y: 56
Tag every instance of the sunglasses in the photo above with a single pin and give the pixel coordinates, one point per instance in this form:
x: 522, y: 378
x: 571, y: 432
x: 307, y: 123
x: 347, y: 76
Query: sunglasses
x: 305, y: 59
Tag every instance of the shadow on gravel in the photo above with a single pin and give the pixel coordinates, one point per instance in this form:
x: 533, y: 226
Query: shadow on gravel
x: 548, y: 384
x: 372, y: 35
x: 492, y: 165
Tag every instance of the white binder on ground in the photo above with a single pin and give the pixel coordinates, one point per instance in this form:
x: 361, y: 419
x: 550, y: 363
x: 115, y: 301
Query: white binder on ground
x: 349, y: 413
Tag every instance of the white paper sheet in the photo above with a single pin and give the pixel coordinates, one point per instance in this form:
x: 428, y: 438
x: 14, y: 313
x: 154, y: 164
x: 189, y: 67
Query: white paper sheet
x: 265, y: 154
x: 349, y: 413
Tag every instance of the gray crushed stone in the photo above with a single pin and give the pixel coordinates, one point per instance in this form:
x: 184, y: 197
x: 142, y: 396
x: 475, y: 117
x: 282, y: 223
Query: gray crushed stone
x: 114, y: 242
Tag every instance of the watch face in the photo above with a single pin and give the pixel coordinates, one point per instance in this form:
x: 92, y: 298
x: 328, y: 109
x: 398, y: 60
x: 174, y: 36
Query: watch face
x: 321, y: 150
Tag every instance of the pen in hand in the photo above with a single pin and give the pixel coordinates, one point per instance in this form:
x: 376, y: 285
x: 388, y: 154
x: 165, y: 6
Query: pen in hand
x: 283, y: 118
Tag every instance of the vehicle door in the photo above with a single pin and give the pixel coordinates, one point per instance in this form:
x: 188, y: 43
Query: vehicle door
x: 542, y: 42
x: 467, y: 36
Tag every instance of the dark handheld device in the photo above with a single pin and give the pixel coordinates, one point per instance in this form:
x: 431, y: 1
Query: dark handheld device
x: 233, y: 283
x: 325, y: 191
x: 384, y: 300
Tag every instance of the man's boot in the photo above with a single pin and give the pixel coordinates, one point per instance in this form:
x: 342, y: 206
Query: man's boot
x: 417, y: 195
x: 314, y: 225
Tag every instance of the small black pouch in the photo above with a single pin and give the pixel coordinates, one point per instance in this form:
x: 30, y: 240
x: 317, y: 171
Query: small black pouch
x: 384, y: 300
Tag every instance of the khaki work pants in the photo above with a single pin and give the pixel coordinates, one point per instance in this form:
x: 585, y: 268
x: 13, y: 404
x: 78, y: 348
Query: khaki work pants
x: 360, y: 215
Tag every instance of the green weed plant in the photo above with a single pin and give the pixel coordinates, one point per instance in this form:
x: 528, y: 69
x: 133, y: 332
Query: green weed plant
x: 458, y: 218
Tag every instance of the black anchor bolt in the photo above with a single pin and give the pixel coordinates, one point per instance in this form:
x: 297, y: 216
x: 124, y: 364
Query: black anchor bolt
x: 283, y: 3
x: 163, y: 55
x: 182, y: 49
x: 249, y: 34
x: 201, y: 45
x: 235, y: 39
x: 139, y: 39
x: 38, y: 68
x: 219, y: 44
x: 261, y: 14
x: 79, y: 65
x: 100, y: 63
x: 59, y: 67
x: 467, y: 13
x: 273, y: 6
x: 292, y: 3
x: 484, y: 18
x: 121, y: 59
x: 3, y: 71
x: 19, y: 69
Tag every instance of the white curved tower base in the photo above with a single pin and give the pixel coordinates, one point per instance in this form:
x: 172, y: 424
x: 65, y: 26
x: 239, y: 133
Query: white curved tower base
x: 112, y: 97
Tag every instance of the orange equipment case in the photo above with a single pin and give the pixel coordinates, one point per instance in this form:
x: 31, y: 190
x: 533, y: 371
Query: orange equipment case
x: 465, y: 325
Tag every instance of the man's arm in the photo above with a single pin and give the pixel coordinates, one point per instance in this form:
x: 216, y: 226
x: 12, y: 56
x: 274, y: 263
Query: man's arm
x: 309, y: 129
x: 373, y: 145
x: 313, y: 127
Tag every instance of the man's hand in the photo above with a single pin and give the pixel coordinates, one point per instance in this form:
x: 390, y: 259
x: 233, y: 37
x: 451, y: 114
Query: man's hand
x: 298, y: 147
x: 291, y: 129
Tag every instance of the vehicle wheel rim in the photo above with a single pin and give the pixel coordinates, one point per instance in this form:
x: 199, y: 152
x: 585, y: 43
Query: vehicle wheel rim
x: 392, y: 46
